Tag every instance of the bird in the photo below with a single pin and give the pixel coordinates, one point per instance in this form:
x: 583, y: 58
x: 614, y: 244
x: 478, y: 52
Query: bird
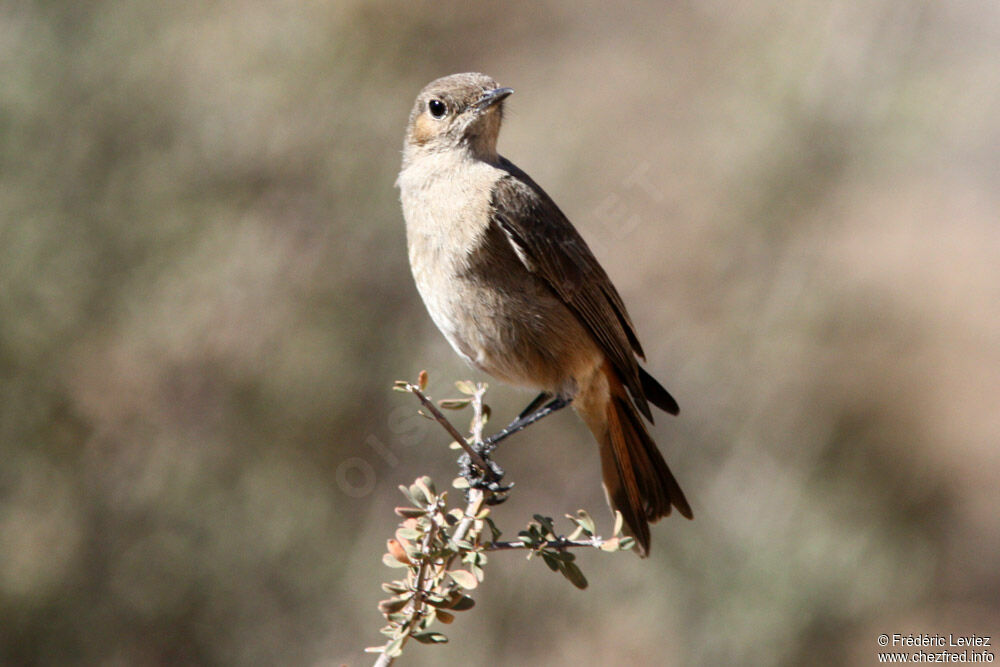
x: 517, y: 292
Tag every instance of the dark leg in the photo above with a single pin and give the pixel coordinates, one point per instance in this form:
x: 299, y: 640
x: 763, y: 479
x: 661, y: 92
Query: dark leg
x: 525, y: 420
x: 536, y: 403
x: 491, y: 479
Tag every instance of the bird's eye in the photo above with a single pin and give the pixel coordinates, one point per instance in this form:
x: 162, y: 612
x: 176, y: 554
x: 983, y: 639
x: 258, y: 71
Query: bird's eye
x: 437, y: 108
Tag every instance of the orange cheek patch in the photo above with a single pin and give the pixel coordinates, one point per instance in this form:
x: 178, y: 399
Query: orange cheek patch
x: 424, y: 129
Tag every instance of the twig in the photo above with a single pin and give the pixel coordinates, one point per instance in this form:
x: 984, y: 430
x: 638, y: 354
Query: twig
x: 476, y: 498
x: 432, y: 538
x: 559, y: 545
x: 474, y: 455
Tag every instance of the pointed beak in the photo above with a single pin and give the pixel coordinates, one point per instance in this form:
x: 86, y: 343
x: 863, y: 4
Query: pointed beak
x: 491, y: 98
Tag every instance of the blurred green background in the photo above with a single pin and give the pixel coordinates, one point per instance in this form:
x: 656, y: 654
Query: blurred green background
x: 205, y: 298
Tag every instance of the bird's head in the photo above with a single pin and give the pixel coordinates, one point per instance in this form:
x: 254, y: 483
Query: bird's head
x: 460, y: 111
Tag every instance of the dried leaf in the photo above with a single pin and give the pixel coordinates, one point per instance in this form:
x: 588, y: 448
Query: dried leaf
x: 422, y: 380
x: 397, y: 551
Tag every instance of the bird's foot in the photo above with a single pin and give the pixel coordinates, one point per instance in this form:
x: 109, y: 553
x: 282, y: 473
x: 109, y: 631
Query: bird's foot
x: 489, y: 480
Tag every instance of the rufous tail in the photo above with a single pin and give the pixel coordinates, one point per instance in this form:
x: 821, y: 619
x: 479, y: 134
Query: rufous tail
x: 637, y: 480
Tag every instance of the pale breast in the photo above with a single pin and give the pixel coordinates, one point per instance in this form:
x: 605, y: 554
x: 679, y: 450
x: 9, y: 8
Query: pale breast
x: 499, y: 316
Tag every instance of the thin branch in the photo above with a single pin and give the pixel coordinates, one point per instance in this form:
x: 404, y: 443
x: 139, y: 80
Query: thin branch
x: 430, y: 581
x: 476, y: 498
x: 596, y: 543
x: 475, y: 456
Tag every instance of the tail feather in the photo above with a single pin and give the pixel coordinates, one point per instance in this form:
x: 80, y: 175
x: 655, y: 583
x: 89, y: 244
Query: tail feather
x: 636, y: 478
x: 656, y: 394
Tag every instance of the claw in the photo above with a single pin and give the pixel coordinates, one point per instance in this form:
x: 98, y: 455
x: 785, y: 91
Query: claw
x: 490, y: 480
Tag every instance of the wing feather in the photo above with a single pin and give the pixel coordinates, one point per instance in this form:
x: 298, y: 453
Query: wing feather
x: 549, y: 246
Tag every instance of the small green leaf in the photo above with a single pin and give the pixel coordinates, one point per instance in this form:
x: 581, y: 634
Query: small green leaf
x: 423, y: 492
x: 438, y: 601
x: 410, y: 512
x: 466, y: 387
x: 406, y: 534
x: 462, y: 603
x: 394, y: 649
x: 431, y: 638
x: 459, y: 482
x: 493, y: 529
x: 550, y: 561
x: 565, y: 556
x: 619, y: 520
x: 406, y: 492
x: 398, y: 618
x: 585, y: 521
x: 454, y: 403
x: 394, y: 587
x: 464, y: 578
x: 575, y: 576
x: 393, y: 605
x: 545, y: 522
x: 390, y: 561
x: 426, y: 483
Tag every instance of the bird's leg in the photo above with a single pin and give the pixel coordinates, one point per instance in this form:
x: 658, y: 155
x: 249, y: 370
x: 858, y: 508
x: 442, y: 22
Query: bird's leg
x: 536, y: 403
x: 490, y: 480
x: 528, y: 416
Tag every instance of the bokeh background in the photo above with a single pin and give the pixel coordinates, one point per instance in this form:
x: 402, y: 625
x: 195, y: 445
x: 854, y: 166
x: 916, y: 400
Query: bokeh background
x: 205, y: 298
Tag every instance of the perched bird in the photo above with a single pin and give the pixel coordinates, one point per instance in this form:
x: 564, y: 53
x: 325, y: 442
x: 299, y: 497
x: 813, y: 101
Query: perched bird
x: 516, y: 291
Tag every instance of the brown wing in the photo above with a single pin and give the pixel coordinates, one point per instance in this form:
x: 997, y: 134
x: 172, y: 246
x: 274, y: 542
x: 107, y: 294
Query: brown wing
x: 549, y: 246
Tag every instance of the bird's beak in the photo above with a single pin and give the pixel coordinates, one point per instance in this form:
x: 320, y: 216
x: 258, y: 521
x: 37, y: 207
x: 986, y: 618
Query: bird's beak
x: 491, y: 98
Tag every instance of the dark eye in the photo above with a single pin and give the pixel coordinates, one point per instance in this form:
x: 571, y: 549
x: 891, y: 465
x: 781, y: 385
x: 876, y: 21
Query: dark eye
x: 437, y: 108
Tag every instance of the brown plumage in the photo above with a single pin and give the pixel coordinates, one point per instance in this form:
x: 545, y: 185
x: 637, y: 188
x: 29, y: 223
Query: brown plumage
x: 517, y: 292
